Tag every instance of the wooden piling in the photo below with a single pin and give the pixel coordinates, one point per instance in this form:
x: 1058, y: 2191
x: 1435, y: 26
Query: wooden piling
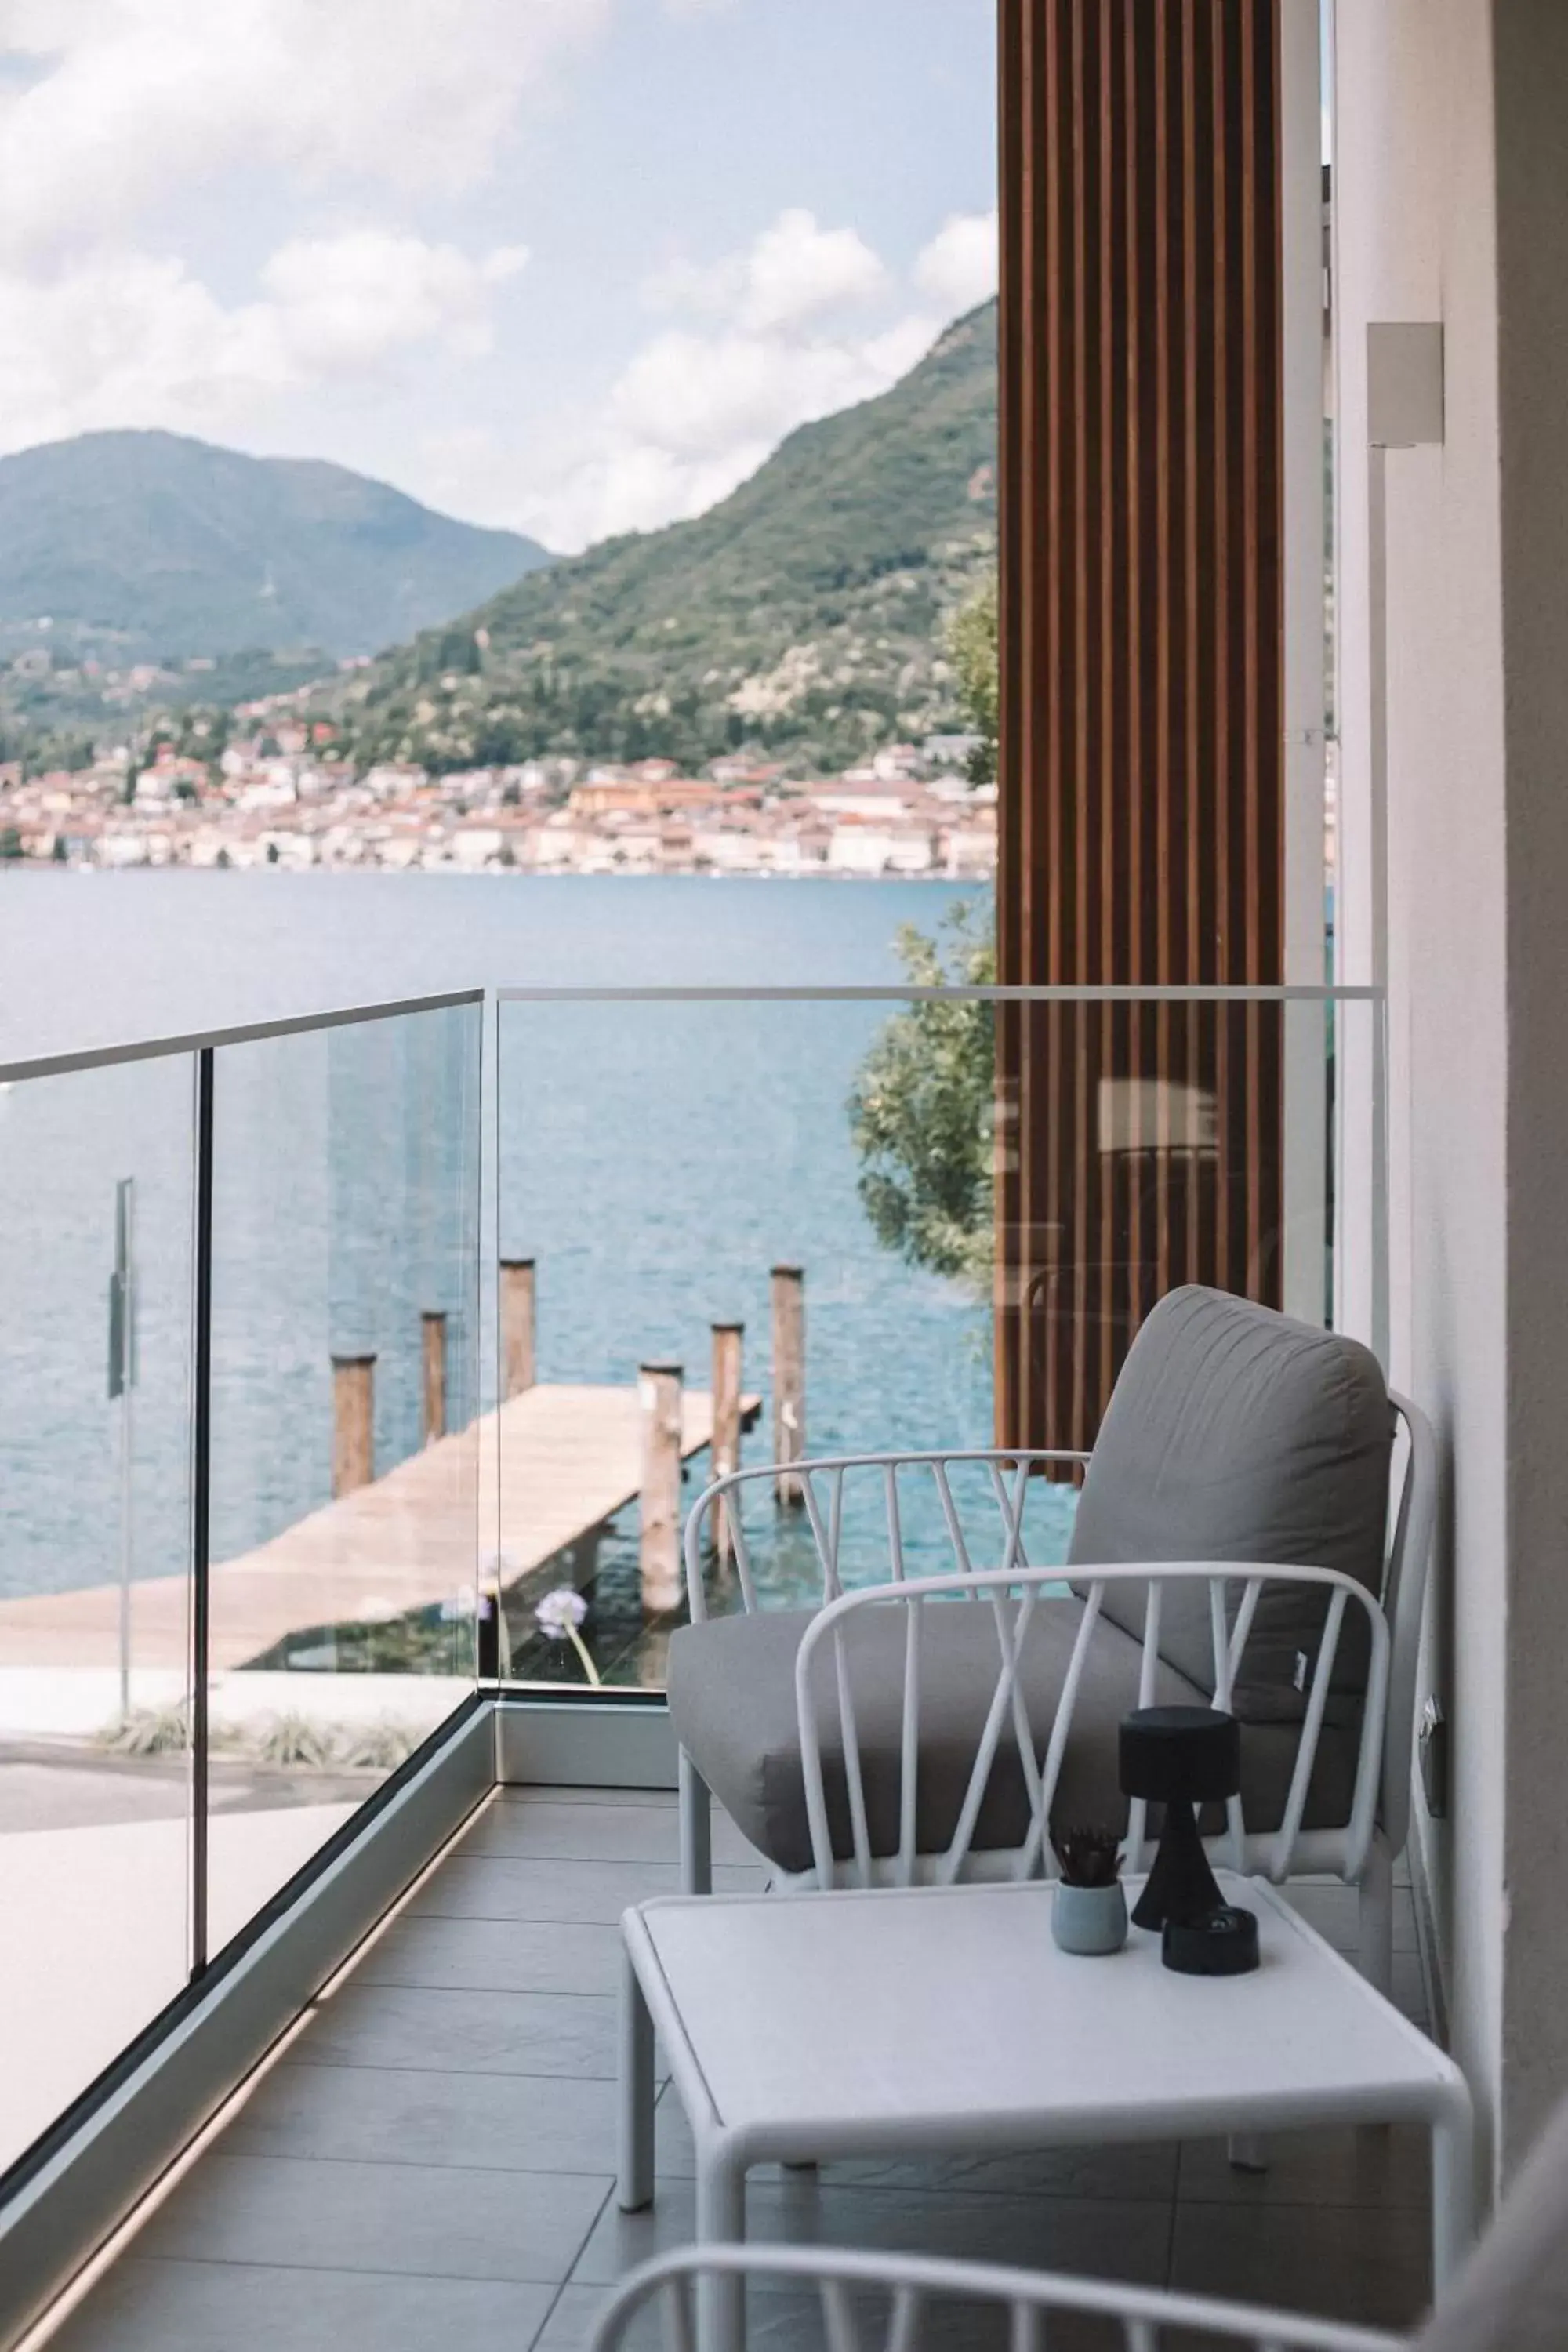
x: 353, y: 1423
x: 725, y: 1453
x: 659, y: 1392
x: 788, y: 1292
x: 519, y: 1308
x: 433, y: 1365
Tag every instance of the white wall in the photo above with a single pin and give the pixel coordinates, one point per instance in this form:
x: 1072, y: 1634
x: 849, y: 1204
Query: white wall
x: 1452, y: 194
x: 1417, y: 239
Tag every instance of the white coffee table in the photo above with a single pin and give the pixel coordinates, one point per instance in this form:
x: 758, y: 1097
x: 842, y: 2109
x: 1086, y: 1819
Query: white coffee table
x: 800, y: 2028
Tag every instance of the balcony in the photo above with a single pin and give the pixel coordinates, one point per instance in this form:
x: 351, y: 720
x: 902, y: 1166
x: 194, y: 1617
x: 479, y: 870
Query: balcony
x: 414, y: 1317
x: 431, y: 2159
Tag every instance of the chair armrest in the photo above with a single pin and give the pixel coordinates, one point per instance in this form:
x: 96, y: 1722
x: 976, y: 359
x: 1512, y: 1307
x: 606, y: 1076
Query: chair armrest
x: 1229, y: 1644
x: 830, y: 1470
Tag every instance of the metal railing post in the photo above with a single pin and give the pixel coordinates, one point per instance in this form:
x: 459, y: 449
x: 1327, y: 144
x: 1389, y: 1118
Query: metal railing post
x: 200, y: 1510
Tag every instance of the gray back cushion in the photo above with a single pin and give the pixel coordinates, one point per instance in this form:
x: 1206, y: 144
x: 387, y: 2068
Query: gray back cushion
x: 1238, y: 1434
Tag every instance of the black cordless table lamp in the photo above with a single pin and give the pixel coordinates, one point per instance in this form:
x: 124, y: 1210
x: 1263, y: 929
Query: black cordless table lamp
x: 1180, y: 1756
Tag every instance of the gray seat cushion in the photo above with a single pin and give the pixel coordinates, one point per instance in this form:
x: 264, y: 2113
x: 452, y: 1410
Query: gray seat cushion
x: 1236, y: 1434
x: 732, y: 1703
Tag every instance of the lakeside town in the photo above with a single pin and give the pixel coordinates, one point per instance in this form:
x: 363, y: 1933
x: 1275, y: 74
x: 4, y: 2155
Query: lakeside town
x: 275, y: 795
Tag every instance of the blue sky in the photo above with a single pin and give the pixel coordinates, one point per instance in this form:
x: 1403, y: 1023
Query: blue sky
x: 573, y: 265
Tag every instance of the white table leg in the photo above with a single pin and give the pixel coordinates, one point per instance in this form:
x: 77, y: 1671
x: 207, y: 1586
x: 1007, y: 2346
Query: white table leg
x: 1374, y: 1955
x: 721, y: 2220
x: 633, y: 2153
x: 696, y: 1829
x: 1453, y: 2192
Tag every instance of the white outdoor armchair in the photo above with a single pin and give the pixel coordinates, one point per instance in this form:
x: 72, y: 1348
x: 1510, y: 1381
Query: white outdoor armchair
x: 1253, y: 1458
x: 854, y: 2302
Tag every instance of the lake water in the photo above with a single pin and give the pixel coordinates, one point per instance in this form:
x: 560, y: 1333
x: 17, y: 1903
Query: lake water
x: 655, y: 1160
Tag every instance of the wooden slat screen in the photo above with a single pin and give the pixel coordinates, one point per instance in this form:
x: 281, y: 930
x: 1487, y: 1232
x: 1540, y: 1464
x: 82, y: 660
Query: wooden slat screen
x: 1141, y: 818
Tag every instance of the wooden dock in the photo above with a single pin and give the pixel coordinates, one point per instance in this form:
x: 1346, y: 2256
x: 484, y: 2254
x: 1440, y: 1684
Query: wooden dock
x: 565, y: 1459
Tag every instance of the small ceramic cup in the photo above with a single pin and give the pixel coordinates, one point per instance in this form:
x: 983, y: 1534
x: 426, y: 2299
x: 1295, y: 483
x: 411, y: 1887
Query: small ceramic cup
x: 1090, y: 1920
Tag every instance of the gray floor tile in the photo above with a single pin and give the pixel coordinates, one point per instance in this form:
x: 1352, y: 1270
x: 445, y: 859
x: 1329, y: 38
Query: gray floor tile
x: 1105, y: 2237
x: 1363, y: 2262
x: 534, y: 1793
x: 514, y: 2123
x: 505, y: 1889
x: 1135, y: 2173
x: 545, y: 1830
x: 426, y: 2221
x: 457, y: 2032
x: 495, y: 1956
x: 1380, y: 2168
x: 199, y: 2306
x: 576, y: 2309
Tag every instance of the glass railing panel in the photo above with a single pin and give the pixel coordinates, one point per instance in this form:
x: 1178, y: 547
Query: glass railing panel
x: 671, y: 1167
x: 95, y: 1832
x: 981, y: 1200
x: 345, y: 1428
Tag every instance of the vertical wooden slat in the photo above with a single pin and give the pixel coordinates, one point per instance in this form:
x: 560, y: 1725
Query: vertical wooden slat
x: 1223, y: 667
x: 1141, y: 824
x: 1165, y: 884
x: 1079, y: 798
x: 1113, y: 495
x: 1141, y: 461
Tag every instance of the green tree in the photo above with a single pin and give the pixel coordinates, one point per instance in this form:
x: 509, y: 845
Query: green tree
x: 10, y: 843
x: 972, y: 650
x: 922, y: 1109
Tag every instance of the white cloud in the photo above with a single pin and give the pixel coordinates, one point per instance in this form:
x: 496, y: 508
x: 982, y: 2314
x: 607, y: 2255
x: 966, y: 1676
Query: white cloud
x: 690, y: 418
x: 773, y: 343
x: 133, y: 339
x: 134, y: 98
x: 794, y: 271
x: 684, y: 425
x: 125, y: 339
x: 959, y: 267
x: 343, y: 303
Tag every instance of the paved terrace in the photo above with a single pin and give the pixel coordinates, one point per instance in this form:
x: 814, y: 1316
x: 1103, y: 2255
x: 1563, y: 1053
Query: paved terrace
x: 427, y: 2166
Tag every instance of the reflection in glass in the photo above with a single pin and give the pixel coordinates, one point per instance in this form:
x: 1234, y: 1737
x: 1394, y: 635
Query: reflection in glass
x: 346, y: 1438
x: 755, y: 1228
x: 95, y: 1289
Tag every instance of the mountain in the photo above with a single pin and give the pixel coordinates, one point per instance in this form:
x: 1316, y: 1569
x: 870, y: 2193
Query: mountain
x: 147, y: 546
x: 802, y: 616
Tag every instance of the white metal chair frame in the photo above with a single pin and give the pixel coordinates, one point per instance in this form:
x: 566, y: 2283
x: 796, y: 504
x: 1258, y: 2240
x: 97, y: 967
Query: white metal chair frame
x: 1272, y: 1854
x: 915, y: 2284
x: 1362, y: 1853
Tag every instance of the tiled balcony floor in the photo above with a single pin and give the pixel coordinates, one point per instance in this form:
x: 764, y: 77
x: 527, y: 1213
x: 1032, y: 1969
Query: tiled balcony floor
x: 428, y: 2169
